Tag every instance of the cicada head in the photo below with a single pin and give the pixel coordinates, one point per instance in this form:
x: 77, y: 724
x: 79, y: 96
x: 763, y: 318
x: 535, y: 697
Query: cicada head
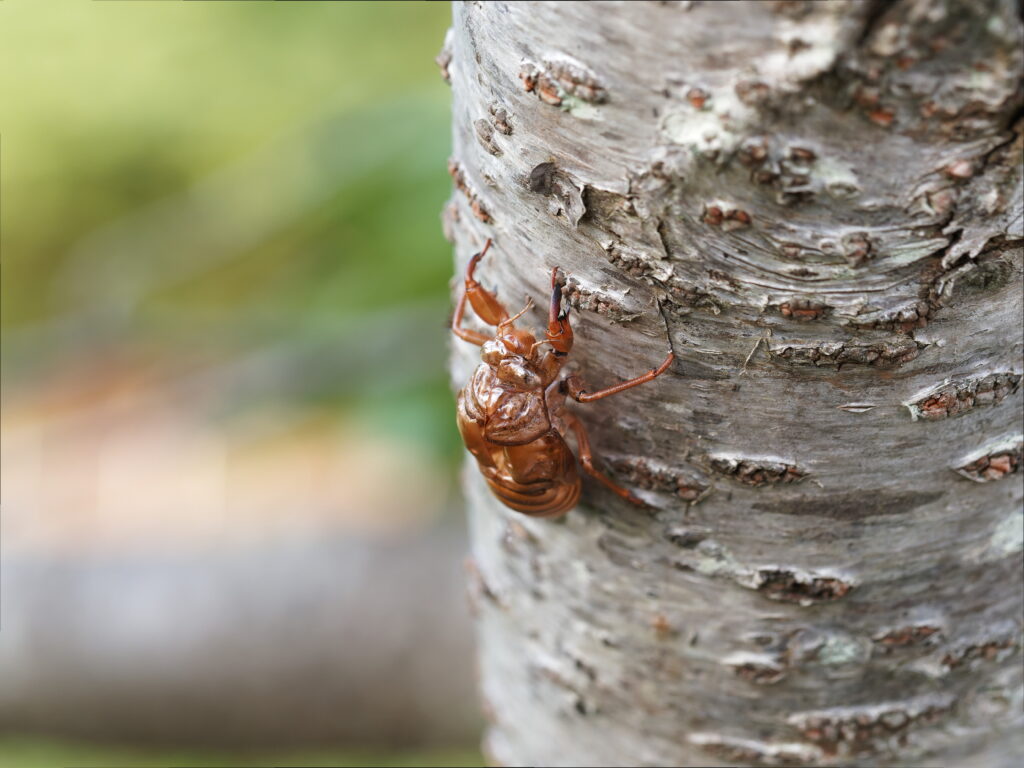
x: 512, y: 356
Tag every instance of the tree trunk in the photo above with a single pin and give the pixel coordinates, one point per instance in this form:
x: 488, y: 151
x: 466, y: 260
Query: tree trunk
x: 818, y: 206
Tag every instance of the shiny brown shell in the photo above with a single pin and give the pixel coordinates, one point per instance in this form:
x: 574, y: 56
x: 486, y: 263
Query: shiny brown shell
x: 521, y: 454
x: 511, y: 414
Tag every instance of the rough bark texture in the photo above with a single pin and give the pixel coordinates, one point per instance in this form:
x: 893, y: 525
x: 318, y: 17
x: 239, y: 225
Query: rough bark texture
x: 819, y: 206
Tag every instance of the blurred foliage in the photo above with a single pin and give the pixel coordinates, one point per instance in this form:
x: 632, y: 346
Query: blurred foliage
x: 226, y: 214
x: 228, y: 183
x: 39, y: 753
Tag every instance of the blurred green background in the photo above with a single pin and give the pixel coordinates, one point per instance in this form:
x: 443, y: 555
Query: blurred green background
x: 190, y: 181
x: 224, y: 292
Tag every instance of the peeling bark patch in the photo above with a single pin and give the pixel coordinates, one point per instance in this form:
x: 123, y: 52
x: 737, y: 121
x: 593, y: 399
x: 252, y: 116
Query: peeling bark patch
x: 536, y: 81
x: 683, y: 297
x: 880, y: 354
x: 940, y: 201
x: 883, y: 116
x: 753, y: 93
x: 753, y: 151
x: 485, y: 128
x: 644, y: 474
x: 462, y: 184
x: 868, y: 729
x: 992, y: 650
x: 792, y: 9
x: 559, y: 78
x: 802, y: 310
x: 582, y: 299
x: 663, y: 627
x: 957, y: 398
x: 904, y: 320
x: 733, y: 750
x: 802, y: 155
x: 805, y: 589
x: 725, y: 216
x: 797, y: 175
x: 959, y: 170
x: 758, y: 673
x: 993, y: 466
x: 856, y: 248
x: 444, y: 58
x: 485, y: 135
x: 500, y: 119
x: 564, y: 193
x: 853, y: 506
x: 904, y: 637
x: 576, y: 79
x: 698, y: 97
x: 756, y: 472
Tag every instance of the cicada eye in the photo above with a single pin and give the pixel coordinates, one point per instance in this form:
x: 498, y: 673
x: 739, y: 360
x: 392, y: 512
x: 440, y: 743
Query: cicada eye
x: 514, y: 371
x: 517, y: 341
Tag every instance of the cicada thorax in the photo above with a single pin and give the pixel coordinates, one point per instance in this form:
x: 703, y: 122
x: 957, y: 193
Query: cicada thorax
x: 504, y: 414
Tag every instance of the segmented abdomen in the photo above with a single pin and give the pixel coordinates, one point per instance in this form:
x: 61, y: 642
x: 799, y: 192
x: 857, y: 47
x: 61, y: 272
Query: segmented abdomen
x: 536, y: 501
x: 538, y: 478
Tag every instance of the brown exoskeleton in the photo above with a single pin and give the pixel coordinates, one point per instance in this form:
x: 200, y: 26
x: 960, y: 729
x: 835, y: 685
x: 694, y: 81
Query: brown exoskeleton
x: 512, y: 414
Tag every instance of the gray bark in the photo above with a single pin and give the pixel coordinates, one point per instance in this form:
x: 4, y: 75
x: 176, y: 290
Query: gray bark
x: 819, y: 207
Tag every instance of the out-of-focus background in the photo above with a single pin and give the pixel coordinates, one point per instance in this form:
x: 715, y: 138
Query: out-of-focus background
x: 230, y: 524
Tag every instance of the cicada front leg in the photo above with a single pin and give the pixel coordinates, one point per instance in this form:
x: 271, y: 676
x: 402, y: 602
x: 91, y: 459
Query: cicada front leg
x: 559, y: 333
x: 484, y: 303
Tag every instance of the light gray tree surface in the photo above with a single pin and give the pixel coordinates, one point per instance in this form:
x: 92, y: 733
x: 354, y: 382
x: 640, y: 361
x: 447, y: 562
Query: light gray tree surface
x: 818, y: 206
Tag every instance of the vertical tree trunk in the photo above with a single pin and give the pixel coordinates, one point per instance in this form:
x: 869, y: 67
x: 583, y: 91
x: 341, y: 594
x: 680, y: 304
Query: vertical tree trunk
x: 819, y: 206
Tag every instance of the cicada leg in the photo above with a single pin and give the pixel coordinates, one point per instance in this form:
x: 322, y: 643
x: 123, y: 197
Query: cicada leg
x: 484, y: 303
x: 587, y: 460
x: 577, y: 391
